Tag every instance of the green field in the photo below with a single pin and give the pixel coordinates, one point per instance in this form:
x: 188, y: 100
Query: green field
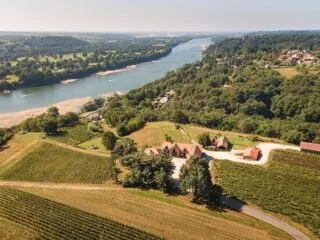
x: 47, y: 219
x: 289, y: 185
x: 237, y: 140
x: 52, y: 163
x: 74, y: 135
x: 153, y: 134
x: 96, y: 143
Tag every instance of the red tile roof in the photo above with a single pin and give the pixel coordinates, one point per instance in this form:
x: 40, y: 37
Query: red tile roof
x: 255, y: 152
x: 252, y: 153
x: 310, y: 146
x: 191, y: 149
x: 222, y: 142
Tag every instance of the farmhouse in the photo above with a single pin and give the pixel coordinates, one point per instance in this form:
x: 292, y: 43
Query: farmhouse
x: 251, y: 153
x: 310, y: 147
x: 163, y: 100
x: 92, y: 116
x: 222, y: 143
x: 182, y: 150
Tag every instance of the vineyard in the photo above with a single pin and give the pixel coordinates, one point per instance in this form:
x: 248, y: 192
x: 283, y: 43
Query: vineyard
x: 305, y: 160
x: 53, y: 220
x: 74, y: 135
x: 290, y: 185
x: 52, y: 163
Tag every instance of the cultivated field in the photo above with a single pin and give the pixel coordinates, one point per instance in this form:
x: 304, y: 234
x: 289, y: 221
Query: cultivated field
x: 15, y: 147
x: 52, y: 163
x: 46, y: 219
x: 289, y: 185
x: 74, y: 135
x: 153, y: 134
x: 165, y: 216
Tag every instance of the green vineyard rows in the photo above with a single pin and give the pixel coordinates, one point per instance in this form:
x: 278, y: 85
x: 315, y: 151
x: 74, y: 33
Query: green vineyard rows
x: 53, y: 220
x: 74, y: 135
x: 52, y: 163
x: 290, y: 185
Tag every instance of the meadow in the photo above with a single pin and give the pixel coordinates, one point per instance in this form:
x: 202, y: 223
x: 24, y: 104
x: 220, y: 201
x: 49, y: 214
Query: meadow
x: 47, y: 219
x: 52, y: 163
x: 16, y: 146
x: 169, y: 217
x: 289, y: 185
x: 153, y: 134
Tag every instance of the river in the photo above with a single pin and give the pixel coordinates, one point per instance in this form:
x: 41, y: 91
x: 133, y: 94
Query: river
x: 95, y: 85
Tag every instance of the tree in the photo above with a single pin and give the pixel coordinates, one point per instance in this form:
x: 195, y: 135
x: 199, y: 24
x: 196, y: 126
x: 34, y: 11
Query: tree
x: 70, y: 119
x: 180, y: 117
x: 109, y: 140
x: 196, y: 176
x: 122, y: 130
x: 164, y: 180
x: 116, y: 171
x: 168, y: 138
x: 247, y: 125
x: 94, y: 127
x: 204, y: 139
x: 292, y: 136
x: 48, y: 126
x: 53, y: 112
x: 124, y: 146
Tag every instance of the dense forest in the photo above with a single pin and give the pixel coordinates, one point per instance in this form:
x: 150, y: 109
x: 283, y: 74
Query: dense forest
x: 41, y: 60
x: 230, y: 89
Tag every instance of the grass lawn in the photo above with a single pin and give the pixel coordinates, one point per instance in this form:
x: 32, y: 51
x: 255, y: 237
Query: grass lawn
x: 289, y: 185
x: 52, y: 220
x: 287, y: 72
x: 96, y: 142
x: 52, y: 163
x: 106, y: 127
x: 238, y: 140
x: 16, y: 146
x: 153, y: 134
x: 165, y: 216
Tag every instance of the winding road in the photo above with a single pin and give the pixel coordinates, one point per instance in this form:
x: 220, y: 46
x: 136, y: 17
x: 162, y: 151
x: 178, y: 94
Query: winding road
x: 265, y: 217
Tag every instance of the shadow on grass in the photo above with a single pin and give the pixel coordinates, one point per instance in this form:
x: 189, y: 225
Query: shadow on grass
x: 2, y: 148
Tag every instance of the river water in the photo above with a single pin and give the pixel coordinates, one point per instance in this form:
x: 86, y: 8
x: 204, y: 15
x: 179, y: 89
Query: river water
x: 96, y: 85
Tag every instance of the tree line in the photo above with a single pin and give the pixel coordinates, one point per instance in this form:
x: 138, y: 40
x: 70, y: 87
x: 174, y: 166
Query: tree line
x: 45, y: 63
x: 216, y: 92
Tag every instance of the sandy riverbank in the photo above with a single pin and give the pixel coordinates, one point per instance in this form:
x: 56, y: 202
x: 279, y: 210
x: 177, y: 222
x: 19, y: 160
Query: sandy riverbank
x: 68, y: 81
x: 11, y: 119
x: 106, y: 73
x: 73, y: 105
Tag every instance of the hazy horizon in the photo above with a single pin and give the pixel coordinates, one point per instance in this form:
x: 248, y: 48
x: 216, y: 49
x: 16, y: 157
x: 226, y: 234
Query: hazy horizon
x: 158, y: 16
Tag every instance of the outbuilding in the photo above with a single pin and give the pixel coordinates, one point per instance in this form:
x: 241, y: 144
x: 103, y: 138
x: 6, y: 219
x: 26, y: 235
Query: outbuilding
x: 310, y: 147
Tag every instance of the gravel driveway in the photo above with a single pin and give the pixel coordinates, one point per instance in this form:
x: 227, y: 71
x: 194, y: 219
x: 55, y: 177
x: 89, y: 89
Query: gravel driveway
x: 266, y: 148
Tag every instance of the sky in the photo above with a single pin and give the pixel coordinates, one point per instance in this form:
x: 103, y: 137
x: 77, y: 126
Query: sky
x: 158, y: 15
